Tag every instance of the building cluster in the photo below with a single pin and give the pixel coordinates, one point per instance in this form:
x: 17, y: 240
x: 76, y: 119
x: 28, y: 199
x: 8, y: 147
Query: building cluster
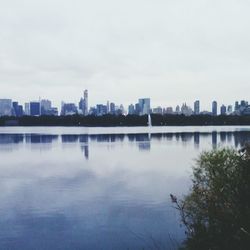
x: 34, y: 108
x: 142, y: 107
x: 240, y: 108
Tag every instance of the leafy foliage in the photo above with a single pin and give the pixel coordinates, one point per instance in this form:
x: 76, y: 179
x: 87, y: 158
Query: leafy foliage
x: 216, y: 213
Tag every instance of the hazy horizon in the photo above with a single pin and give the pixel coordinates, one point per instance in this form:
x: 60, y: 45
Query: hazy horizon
x: 170, y: 51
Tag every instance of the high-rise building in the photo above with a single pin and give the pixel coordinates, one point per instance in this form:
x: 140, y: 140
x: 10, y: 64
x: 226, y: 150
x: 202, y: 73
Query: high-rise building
x: 186, y: 110
x: 122, y: 109
x: 83, y: 104
x: 169, y: 111
x: 137, y: 109
x: 144, y: 106
x: 20, y: 110
x: 5, y: 107
x: 131, y: 109
x: 17, y: 109
x: 101, y: 109
x: 243, y: 103
x: 158, y: 110
x: 108, y: 107
x: 197, y: 107
x: 35, y: 108
x: 214, y: 108
x: 112, y: 108
x: 177, y: 109
x: 45, y: 107
x: 68, y: 109
x: 236, y: 106
x: 27, y: 108
x: 230, y: 109
x: 86, y: 102
x: 223, y: 110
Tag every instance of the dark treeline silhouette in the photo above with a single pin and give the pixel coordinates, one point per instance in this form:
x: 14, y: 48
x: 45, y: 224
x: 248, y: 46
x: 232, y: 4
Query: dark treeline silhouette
x: 129, y: 120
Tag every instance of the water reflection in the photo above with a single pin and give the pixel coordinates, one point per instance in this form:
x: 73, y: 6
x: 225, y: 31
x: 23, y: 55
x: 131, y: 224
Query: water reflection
x: 143, y: 141
x: 107, y: 191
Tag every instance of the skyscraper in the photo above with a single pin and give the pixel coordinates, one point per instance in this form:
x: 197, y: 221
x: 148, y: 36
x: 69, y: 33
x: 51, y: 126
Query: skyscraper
x: 68, y: 109
x: 27, y: 108
x: 45, y: 107
x: 35, y: 109
x: 112, y: 108
x: 17, y: 109
x: 86, y: 100
x: 223, y: 110
x: 83, y: 104
x: 131, y: 109
x: 197, y: 107
x: 214, y: 108
x: 5, y: 107
x: 144, y: 106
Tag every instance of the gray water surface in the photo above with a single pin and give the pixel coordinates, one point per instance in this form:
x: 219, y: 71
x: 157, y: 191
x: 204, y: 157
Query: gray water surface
x: 99, y: 188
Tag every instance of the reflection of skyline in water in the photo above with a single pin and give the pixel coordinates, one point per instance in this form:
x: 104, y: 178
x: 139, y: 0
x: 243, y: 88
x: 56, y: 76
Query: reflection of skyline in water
x: 143, y: 141
x: 88, y: 189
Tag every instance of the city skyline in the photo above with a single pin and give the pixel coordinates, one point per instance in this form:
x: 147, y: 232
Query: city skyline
x: 125, y: 50
x: 142, y: 107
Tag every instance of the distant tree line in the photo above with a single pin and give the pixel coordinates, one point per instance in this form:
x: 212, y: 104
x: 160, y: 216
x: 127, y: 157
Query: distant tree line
x: 121, y: 120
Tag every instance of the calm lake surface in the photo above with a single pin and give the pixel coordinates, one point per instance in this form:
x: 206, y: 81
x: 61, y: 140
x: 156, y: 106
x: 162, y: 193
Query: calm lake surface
x: 99, y: 188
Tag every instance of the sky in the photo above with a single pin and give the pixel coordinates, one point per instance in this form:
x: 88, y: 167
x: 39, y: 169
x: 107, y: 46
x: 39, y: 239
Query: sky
x: 172, y: 51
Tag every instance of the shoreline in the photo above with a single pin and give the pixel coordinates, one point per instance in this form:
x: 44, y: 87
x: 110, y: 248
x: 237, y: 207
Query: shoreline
x: 124, y: 121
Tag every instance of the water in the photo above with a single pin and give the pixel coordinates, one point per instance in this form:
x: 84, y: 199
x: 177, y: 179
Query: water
x: 99, y: 188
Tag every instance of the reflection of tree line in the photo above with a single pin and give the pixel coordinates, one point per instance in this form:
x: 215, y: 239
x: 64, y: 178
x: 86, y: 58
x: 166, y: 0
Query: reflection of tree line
x: 239, y: 138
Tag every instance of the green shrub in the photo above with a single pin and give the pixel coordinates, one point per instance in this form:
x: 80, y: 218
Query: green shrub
x: 216, y: 213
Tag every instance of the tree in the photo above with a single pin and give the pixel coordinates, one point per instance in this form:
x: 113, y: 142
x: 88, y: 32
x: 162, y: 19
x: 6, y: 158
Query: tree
x: 216, y: 213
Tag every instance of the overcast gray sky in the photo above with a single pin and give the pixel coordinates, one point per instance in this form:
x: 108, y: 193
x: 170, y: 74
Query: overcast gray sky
x: 170, y: 50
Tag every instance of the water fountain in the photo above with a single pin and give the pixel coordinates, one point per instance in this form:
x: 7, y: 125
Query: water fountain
x: 149, y: 120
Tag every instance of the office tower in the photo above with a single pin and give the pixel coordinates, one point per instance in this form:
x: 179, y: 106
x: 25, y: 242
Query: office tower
x: 83, y: 104
x: 186, y: 110
x: 46, y: 107
x: 108, y: 107
x: 169, y: 110
x: 122, y: 109
x: 243, y: 103
x: 177, y: 109
x: 214, y: 108
x: 15, y: 108
x: 158, y: 110
x: 86, y: 100
x: 230, y: 109
x: 112, y: 108
x: 131, y: 109
x: 101, y: 109
x: 35, y: 108
x: 137, y: 109
x: 223, y: 110
x: 20, y: 110
x: 68, y: 109
x: 27, y: 109
x: 144, y: 106
x: 197, y: 107
x: 236, y: 106
x: 5, y: 107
